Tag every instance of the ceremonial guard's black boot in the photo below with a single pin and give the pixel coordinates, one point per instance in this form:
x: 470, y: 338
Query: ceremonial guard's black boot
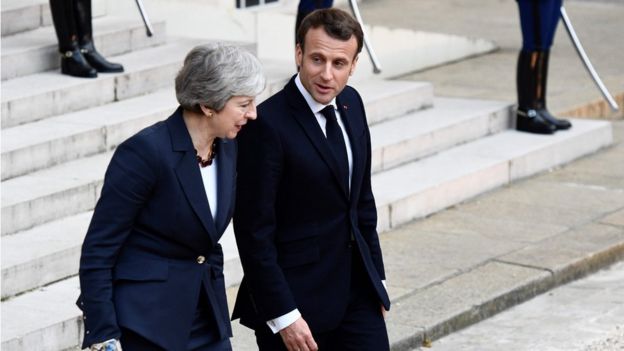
x: 542, y: 68
x: 528, y: 87
x: 73, y: 63
x: 82, y: 10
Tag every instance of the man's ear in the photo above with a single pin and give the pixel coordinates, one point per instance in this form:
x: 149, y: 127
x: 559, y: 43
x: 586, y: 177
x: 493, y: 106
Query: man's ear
x: 298, y: 55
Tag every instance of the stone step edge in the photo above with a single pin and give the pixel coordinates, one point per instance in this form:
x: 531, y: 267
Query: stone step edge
x: 494, y: 118
x: 591, y: 263
x: 90, y: 138
x: 516, y: 166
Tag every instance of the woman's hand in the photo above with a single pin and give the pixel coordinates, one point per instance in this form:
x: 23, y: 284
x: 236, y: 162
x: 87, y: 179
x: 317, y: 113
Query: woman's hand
x: 108, y: 345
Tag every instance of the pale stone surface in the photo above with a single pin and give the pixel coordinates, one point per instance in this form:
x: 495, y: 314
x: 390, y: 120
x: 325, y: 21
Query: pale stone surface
x: 54, y: 94
x: 487, y: 225
x: 415, y: 258
x: 616, y: 218
x: 584, y: 315
x: 456, y: 301
x: 386, y: 100
x: 600, y: 170
x: 418, y: 50
x: 18, y: 19
x: 49, y: 194
x: 528, y: 213
x: 450, y: 122
x: 48, y: 142
x: 567, y: 254
x: 43, y: 318
x: 591, y: 137
x: 593, y: 199
x: 43, y: 254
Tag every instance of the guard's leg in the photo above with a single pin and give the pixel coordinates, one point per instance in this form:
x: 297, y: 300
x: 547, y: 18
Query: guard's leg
x: 73, y: 62
x: 84, y: 26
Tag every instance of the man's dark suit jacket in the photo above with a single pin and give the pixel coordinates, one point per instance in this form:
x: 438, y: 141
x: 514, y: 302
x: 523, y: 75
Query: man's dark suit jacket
x: 140, y: 266
x: 294, y: 219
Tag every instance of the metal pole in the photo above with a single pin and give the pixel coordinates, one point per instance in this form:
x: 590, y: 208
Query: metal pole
x: 148, y: 27
x: 585, y: 59
x: 367, y: 44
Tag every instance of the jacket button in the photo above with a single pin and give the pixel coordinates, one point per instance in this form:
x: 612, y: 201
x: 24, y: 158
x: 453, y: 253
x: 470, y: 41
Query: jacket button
x: 201, y: 259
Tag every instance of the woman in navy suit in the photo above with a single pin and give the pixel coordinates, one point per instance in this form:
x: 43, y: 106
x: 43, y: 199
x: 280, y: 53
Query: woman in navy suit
x: 151, y: 270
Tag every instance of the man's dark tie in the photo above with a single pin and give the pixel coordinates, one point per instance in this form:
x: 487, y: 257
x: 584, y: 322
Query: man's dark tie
x: 337, y: 143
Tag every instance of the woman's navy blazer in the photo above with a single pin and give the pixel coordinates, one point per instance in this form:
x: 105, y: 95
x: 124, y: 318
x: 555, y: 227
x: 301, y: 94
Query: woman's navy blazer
x: 152, y: 244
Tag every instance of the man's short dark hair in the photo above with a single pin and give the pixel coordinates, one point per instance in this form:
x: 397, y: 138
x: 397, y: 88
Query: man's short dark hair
x: 337, y: 24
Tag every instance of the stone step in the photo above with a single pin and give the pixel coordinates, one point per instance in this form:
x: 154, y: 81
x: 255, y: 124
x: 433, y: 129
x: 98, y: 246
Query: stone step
x: 451, y: 122
x: 42, y: 255
x: 38, y: 145
x: 146, y: 71
x: 23, y: 15
x: 421, y: 188
x: 50, y: 252
x: 53, y: 193
x: 37, y: 51
x: 43, y: 320
x: 51, y: 141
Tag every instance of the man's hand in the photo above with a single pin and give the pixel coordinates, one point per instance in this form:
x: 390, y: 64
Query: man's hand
x: 298, y: 337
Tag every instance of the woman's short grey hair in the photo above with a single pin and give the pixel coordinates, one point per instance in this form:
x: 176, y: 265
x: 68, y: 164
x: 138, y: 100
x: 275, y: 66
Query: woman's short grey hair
x: 214, y: 73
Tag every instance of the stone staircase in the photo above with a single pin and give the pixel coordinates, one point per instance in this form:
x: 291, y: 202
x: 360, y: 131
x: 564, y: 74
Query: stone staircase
x: 58, y: 134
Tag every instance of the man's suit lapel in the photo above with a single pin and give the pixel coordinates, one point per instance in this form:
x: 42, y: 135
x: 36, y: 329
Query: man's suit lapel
x: 187, y: 171
x: 225, y: 178
x: 305, y: 117
x: 354, y: 130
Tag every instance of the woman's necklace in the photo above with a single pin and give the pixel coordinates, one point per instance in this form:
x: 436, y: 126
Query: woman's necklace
x: 211, y: 155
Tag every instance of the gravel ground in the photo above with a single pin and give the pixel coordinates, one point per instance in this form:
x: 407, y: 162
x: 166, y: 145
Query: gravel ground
x: 614, y: 342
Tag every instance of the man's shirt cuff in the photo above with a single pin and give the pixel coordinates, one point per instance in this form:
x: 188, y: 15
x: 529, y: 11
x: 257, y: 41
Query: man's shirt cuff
x: 282, y: 322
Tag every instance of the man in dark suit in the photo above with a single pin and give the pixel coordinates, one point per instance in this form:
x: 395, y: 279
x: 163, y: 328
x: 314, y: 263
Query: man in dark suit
x: 305, y: 219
